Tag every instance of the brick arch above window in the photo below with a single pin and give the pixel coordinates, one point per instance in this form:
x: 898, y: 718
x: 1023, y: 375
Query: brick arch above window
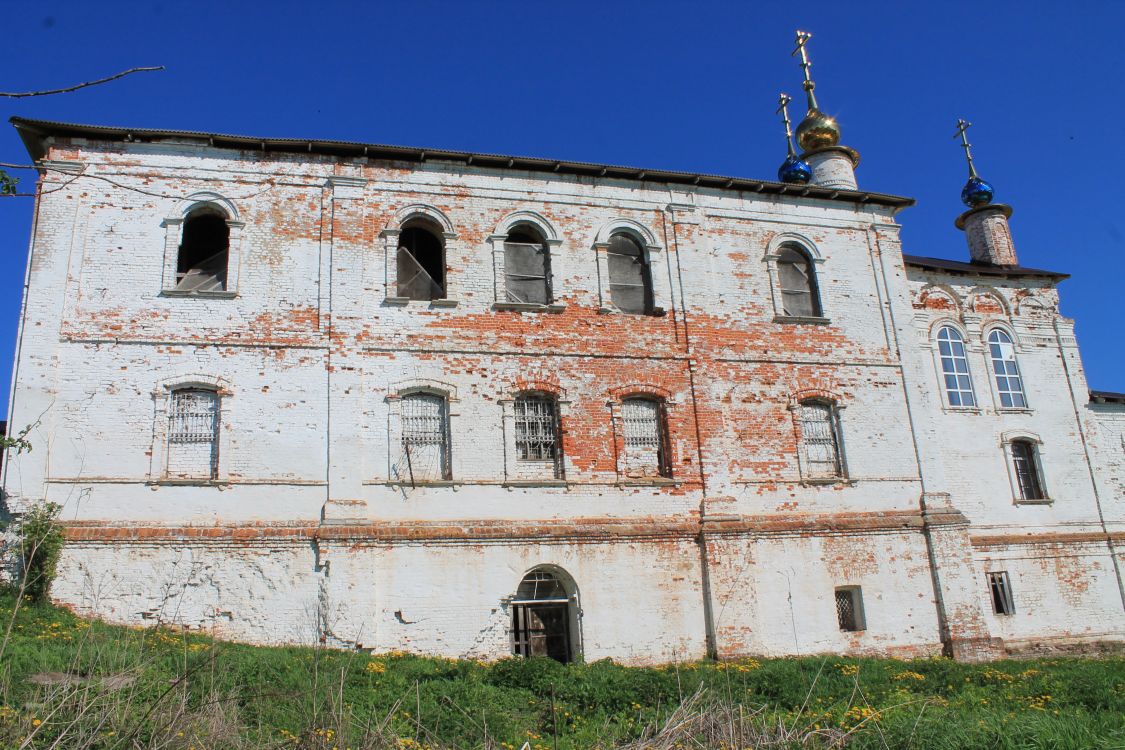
x: 416, y: 211
x: 986, y: 300
x: 782, y: 239
x: 939, y: 297
x: 546, y: 385
x: 641, y: 390
x: 636, y: 229
x: 531, y: 218
x: 194, y: 380
x: 204, y: 199
x: 422, y: 385
x: 824, y: 395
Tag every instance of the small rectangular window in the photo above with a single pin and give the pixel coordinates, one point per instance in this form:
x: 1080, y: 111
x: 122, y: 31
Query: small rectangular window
x: 425, y: 438
x: 646, y: 451
x: 820, y: 440
x: 1001, y: 590
x: 849, y: 608
x: 193, y: 432
x: 1025, y: 463
x: 537, y: 429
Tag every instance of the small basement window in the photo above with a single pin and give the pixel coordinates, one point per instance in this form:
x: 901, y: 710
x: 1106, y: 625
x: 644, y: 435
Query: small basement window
x: 421, y: 262
x: 201, y: 265
x: 849, y: 608
x: 1001, y: 590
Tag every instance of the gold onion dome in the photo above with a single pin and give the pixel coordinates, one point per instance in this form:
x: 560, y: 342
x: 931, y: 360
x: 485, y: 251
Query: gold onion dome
x: 817, y: 131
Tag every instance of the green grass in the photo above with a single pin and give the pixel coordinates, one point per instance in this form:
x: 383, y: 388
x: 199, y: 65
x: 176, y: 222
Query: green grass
x: 189, y: 691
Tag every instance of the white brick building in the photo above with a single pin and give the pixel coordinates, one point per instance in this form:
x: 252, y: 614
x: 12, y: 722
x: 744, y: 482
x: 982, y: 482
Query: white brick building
x: 465, y: 404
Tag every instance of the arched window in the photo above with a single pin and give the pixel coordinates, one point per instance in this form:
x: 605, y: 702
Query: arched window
x: 544, y: 618
x: 527, y: 266
x: 646, y: 438
x: 1006, y: 370
x: 421, y: 261
x: 1025, y: 466
x: 955, y: 368
x: 193, y: 434
x: 537, y: 430
x: 630, y: 278
x: 201, y: 264
x: 799, y: 297
x: 820, y: 439
x: 424, y: 439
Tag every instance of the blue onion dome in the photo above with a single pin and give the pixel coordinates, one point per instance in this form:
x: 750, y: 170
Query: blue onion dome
x: 817, y: 130
x: 976, y: 192
x: 794, y: 171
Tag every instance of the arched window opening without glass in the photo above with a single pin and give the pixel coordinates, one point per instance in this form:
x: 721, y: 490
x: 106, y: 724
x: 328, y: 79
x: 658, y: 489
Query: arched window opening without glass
x: 799, y: 295
x: 420, y: 263
x: 955, y: 368
x: 1025, y: 465
x: 1009, y: 384
x: 646, y: 438
x: 544, y: 618
x: 424, y: 455
x: 820, y: 440
x: 630, y: 277
x: 193, y: 434
x: 537, y: 430
x: 204, y: 253
x: 527, y: 267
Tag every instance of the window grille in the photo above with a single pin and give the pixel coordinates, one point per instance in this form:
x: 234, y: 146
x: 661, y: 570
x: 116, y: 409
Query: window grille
x: 849, y: 609
x: 1025, y: 464
x: 527, y: 273
x: 537, y: 429
x: 425, y: 437
x: 798, y: 284
x: 820, y: 439
x: 645, y: 449
x: 193, y: 430
x: 955, y: 368
x: 1009, y: 384
x: 630, y: 281
x: 1001, y: 590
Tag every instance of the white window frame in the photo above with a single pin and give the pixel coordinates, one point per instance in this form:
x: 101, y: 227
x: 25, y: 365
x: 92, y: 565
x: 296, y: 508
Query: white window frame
x: 496, y: 242
x: 997, y: 392
x: 1038, y: 460
x: 940, y: 365
x: 390, y: 236
x: 816, y: 262
x: 173, y: 236
x: 661, y: 293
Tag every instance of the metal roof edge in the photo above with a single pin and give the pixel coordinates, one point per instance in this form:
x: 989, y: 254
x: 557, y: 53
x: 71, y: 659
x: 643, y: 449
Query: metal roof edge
x: 957, y: 266
x: 1104, y: 397
x: 35, y: 132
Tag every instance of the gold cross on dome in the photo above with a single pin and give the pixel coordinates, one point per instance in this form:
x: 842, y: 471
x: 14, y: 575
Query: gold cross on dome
x: 803, y: 38
x: 962, y: 131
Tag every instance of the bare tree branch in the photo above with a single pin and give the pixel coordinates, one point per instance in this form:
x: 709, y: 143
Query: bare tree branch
x: 11, y: 95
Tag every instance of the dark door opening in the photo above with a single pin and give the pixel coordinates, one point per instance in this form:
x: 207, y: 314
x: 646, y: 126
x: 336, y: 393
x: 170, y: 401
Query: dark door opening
x: 542, y: 630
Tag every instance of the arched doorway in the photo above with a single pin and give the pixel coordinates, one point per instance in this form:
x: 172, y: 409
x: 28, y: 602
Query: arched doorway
x: 544, y: 616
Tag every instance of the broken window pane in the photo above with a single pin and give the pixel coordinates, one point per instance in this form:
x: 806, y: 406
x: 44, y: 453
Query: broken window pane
x: 1025, y: 462
x: 193, y: 430
x: 798, y: 285
x: 527, y: 272
x: 425, y: 438
x: 201, y: 265
x: 821, y: 443
x: 1001, y: 589
x: 645, y: 449
x: 630, y: 284
x: 420, y: 264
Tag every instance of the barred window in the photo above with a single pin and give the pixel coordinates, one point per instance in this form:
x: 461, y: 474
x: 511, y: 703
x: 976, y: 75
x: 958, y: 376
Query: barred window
x: 537, y: 428
x: 630, y: 279
x: 820, y: 439
x: 1000, y: 588
x: 1006, y: 370
x: 527, y: 267
x: 955, y: 368
x: 646, y: 450
x: 799, y: 296
x: 425, y: 438
x: 1025, y: 465
x: 849, y: 608
x: 193, y: 432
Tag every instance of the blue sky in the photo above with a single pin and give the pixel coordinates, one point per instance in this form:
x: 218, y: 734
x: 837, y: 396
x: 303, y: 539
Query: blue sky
x: 684, y: 86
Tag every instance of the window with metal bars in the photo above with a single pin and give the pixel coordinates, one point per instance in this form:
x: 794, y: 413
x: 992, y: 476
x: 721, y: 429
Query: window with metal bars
x: 849, y: 608
x: 820, y: 439
x: 425, y: 438
x: 799, y: 297
x: 1025, y: 465
x: 646, y: 448
x: 193, y: 434
x: 1009, y: 384
x: 630, y: 278
x: 955, y: 368
x: 1000, y: 589
x: 537, y: 429
x: 527, y: 267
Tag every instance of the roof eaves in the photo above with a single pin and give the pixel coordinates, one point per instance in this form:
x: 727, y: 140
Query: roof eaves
x: 982, y: 269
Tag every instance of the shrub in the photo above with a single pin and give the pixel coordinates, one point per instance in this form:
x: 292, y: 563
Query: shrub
x: 39, y: 543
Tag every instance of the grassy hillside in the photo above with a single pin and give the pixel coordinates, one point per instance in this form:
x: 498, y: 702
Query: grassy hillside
x: 70, y: 683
